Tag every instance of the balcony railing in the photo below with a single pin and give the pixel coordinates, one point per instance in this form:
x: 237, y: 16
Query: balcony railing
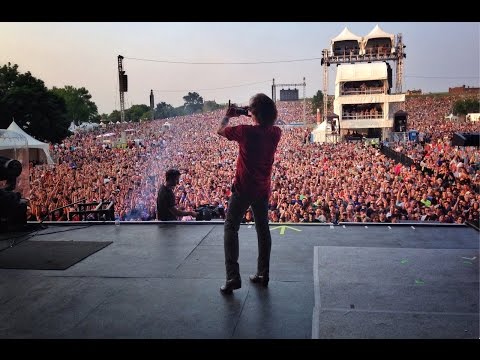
x: 363, y: 91
x: 361, y: 117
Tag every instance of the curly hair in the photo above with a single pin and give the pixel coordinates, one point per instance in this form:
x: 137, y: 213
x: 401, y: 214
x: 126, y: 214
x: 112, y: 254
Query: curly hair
x: 264, y: 109
x: 172, y: 174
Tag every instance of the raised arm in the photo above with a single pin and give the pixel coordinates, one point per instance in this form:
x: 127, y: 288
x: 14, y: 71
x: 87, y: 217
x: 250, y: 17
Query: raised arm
x: 223, y: 125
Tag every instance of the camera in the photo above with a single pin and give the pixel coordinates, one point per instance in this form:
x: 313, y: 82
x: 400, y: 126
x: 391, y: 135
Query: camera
x: 237, y: 110
x: 13, y: 209
x: 209, y: 212
x: 10, y: 169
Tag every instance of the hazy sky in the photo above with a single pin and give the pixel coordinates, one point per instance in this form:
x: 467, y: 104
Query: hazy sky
x: 439, y: 55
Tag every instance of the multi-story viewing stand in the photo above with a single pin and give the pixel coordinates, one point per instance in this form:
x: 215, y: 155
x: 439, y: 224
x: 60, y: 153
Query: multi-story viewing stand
x: 364, y: 103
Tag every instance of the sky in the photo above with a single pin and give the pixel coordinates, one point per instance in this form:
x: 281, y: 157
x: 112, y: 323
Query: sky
x: 84, y: 54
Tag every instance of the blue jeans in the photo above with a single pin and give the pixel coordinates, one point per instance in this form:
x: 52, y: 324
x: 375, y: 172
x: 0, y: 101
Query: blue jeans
x: 237, y: 206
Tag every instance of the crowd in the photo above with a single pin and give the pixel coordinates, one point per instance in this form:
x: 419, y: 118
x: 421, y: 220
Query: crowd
x: 310, y: 182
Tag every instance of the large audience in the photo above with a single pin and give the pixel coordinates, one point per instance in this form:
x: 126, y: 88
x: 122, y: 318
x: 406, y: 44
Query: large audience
x: 325, y: 183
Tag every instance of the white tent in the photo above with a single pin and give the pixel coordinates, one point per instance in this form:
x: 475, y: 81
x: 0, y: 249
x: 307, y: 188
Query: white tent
x: 344, y: 42
x: 319, y: 133
x: 87, y: 126
x: 37, y: 150
x: 378, y: 33
x: 378, y: 37
x: 72, y: 127
x: 361, y: 72
x: 451, y: 117
x: 346, y: 35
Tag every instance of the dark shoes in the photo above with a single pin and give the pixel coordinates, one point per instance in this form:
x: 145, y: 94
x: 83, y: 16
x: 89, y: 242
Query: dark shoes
x: 230, y: 285
x: 234, y: 284
x: 259, y: 279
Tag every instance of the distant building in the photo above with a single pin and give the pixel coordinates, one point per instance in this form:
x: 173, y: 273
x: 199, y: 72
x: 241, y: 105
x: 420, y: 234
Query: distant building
x: 364, y: 104
x: 463, y: 90
x: 363, y: 101
x: 414, y: 92
x: 473, y: 117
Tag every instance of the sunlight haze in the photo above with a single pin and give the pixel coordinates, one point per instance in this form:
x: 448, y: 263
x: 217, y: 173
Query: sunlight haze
x: 439, y: 56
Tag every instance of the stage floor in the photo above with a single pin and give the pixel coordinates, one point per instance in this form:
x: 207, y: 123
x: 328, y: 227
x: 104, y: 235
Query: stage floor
x: 161, y: 281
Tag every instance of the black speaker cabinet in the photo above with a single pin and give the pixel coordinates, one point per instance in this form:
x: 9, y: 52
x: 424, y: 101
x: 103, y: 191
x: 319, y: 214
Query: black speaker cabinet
x: 466, y: 139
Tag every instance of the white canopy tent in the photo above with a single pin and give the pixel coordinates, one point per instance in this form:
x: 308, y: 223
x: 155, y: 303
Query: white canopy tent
x: 378, y: 33
x: 361, y: 72
x: 87, y: 126
x: 345, y: 35
x: 72, y: 127
x: 37, y: 150
x: 319, y: 133
x: 379, y: 38
x: 451, y: 117
x: 344, y: 41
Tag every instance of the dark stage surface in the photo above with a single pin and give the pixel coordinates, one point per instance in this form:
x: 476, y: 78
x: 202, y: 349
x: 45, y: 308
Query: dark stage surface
x: 161, y: 281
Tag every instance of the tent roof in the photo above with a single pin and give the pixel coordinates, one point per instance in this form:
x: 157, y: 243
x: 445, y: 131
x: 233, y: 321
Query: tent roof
x: 32, y: 142
x: 346, y: 35
x: 378, y: 33
x: 320, y: 127
x: 361, y: 72
x: 72, y: 126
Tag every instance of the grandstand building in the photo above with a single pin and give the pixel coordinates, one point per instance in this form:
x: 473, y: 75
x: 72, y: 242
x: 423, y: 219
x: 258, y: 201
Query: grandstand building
x: 366, y: 99
x: 363, y: 101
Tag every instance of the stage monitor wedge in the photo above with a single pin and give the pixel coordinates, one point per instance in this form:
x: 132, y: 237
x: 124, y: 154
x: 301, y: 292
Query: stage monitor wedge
x: 466, y: 139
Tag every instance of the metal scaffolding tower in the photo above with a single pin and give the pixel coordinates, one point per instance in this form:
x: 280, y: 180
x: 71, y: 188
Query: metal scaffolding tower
x: 121, y: 89
x: 304, y: 84
x: 399, y: 67
x: 325, y: 82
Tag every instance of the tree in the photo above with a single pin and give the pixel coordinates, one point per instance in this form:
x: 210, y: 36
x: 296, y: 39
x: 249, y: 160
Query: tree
x: 39, y: 111
x: 137, y: 112
x: 114, y: 116
x: 193, y: 103
x: 79, y: 106
x: 209, y: 106
x: 180, y: 111
x: 465, y: 106
x: 164, y: 110
x: 103, y: 117
x: 146, y: 116
x: 317, y: 102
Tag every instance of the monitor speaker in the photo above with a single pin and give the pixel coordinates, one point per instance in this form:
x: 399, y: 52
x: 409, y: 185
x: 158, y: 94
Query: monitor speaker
x: 466, y: 139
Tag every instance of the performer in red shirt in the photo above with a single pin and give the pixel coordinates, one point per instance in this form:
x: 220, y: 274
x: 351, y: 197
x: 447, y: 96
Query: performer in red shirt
x: 257, y: 145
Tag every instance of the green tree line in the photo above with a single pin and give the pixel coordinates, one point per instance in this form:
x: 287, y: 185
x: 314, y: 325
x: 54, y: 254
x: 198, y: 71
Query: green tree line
x: 46, y: 114
x: 465, y: 106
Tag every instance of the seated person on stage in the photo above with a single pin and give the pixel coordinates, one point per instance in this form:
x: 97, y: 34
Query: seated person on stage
x: 166, y: 207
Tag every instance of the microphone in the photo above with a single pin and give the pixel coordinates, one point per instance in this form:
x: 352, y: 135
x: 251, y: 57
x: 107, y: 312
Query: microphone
x: 61, y: 207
